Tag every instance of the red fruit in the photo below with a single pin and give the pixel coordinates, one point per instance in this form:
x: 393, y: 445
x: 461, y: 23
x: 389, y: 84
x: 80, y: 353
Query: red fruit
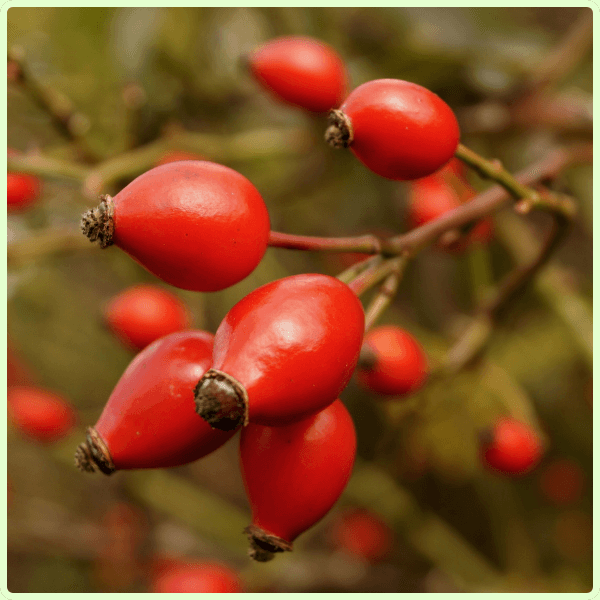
x: 283, y: 352
x: 430, y: 198
x: 149, y: 419
x: 40, y: 414
x: 562, y: 481
x: 363, y: 534
x: 397, y: 129
x: 301, y: 71
x: 455, y: 167
x: 392, y: 362
x: 177, y: 155
x: 144, y: 313
x: 433, y: 196
x: 23, y: 191
x: 177, y: 576
x: 195, y: 224
x: 512, y: 447
x: 294, y: 474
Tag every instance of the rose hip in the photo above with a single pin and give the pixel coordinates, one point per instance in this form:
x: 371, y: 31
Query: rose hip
x: 294, y: 474
x: 392, y: 362
x: 195, y: 224
x: 301, y: 71
x: 398, y: 129
x: 144, y: 313
x: 149, y: 419
x: 283, y: 352
x: 39, y: 414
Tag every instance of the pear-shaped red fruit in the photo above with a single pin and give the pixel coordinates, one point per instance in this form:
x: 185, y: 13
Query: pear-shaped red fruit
x: 149, y: 419
x: 195, y: 224
x: 294, y: 474
x: 283, y: 352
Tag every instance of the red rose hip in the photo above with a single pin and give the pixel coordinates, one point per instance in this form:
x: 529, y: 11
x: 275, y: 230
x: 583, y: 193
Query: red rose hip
x: 511, y: 447
x: 431, y: 197
x: 39, y: 414
x: 195, y: 224
x: 149, y: 419
x: 294, y: 474
x: 392, y: 362
x: 175, y: 576
x: 23, y: 191
x: 144, y: 313
x: 399, y: 130
x: 283, y: 352
x: 301, y: 71
x: 363, y: 534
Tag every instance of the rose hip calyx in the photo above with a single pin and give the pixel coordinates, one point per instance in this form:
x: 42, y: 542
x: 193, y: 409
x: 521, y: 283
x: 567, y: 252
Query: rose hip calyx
x: 221, y: 400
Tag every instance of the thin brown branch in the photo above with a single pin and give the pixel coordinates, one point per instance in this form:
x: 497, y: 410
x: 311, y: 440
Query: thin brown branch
x: 565, y: 56
x: 367, y: 244
x: 385, y: 294
x: 472, y: 343
x: 492, y: 199
x: 69, y: 123
x: 357, y: 268
x: 371, y: 276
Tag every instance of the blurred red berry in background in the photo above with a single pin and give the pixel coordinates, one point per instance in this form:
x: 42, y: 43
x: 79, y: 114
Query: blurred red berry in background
x: 142, y: 314
x: 362, y: 533
x: 40, y: 414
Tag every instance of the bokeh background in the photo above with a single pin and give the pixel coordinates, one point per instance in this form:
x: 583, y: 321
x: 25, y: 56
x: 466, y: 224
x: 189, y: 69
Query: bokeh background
x: 158, y: 78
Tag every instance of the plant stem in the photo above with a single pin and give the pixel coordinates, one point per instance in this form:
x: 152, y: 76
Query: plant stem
x: 552, y: 285
x: 356, y: 269
x: 492, y: 199
x: 66, y: 120
x: 385, y: 294
x: 474, y: 340
x: 45, y: 166
x: 367, y: 244
x: 376, y: 273
x: 493, y: 169
x: 44, y: 244
x: 242, y: 146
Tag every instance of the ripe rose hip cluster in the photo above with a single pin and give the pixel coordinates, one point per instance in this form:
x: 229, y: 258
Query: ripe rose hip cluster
x: 281, y: 357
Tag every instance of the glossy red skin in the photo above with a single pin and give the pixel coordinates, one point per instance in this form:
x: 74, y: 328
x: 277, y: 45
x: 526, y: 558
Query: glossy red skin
x: 177, y: 576
x: 301, y: 71
x: 361, y: 533
x: 294, y: 474
x: 401, y: 366
x: 401, y: 130
x: 40, y: 414
x: 195, y: 224
x: 149, y: 420
x: 23, y: 191
x: 562, y: 482
x: 515, y: 448
x: 433, y: 196
x: 144, y: 313
x: 293, y: 344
